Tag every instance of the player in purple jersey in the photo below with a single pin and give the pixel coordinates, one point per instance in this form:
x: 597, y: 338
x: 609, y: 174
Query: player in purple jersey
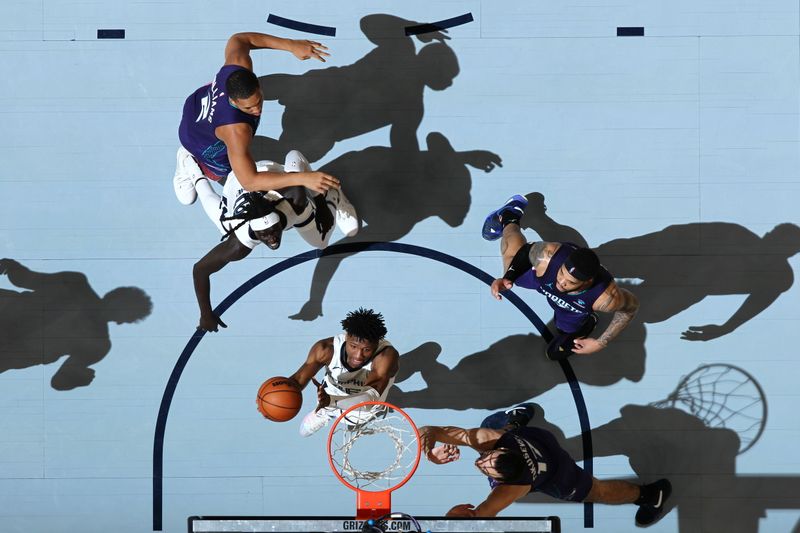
x: 570, y: 277
x: 519, y: 460
x: 220, y: 119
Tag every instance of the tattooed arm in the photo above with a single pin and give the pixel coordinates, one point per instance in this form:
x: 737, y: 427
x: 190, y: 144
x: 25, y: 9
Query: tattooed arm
x: 623, y: 304
x: 533, y: 255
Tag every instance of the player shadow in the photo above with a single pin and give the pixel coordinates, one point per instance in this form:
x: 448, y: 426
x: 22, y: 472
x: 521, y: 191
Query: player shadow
x: 393, y: 190
x: 684, y: 263
x: 700, y: 462
x: 384, y: 88
x: 60, y: 314
x: 511, y: 371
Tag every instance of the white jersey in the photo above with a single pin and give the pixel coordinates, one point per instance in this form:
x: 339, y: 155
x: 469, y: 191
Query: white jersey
x: 340, y: 381
x: 233, y: 195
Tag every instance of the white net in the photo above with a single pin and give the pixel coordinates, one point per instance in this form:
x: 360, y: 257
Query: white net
x: 723, y: 396
x: 374, y: 448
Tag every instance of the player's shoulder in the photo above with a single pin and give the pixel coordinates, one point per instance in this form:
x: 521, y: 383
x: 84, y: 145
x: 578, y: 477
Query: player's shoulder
x: 389, y: 352
x: 323, y: 350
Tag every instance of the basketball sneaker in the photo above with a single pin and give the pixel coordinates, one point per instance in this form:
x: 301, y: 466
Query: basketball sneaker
x: 187, y: 172
x: 346, y: 216
x: 296, y: 162
x: 520, y: 415
x: 650, y: 513
x: 511, y: 211
x: 313, y: 422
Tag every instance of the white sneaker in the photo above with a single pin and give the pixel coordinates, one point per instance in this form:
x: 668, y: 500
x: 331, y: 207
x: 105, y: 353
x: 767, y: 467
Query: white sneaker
x: 187, y: 172
x: 313, y: 422
x: 296, y: 162
x: 346, y: 216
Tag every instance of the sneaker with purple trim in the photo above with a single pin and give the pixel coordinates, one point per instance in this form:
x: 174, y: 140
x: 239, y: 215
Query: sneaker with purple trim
x: 511, y: 211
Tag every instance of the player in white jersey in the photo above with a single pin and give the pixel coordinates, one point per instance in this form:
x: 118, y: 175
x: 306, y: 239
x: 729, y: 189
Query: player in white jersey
x: 247, y: 219
x: 360, y: 366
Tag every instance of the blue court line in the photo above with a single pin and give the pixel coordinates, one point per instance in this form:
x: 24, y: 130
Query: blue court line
x: 301, y: 26
x: 111, y: 34
x: 349, y: 248
x: 630, y: 31
x: 439, y: 26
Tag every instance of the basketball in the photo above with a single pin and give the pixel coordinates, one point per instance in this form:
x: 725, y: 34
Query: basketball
x: 279, y: 399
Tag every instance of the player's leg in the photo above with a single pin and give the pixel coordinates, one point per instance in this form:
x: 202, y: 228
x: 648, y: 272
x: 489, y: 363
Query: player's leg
x: 187, y: 172
x: 210, y: 200
x: 650, y: 498
x: 503, y: 223
x: 613, y: 492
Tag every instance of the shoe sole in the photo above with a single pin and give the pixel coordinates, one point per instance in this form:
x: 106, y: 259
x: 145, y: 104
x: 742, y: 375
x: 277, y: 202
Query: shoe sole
x: 490, y: 230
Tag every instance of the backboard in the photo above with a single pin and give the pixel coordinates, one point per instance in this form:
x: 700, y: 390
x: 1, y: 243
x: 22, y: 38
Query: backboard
x: 330, y: 524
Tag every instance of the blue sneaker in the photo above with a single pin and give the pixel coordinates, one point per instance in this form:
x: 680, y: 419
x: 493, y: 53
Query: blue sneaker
x: 512, y: 210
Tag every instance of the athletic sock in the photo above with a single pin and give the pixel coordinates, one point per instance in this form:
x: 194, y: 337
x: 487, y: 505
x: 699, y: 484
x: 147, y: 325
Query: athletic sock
x: 509, y: 217
x: 648, y: 495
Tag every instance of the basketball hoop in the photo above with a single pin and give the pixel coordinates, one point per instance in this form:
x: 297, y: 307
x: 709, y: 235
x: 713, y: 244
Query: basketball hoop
x: 723, y: 396
x: 358, y: 450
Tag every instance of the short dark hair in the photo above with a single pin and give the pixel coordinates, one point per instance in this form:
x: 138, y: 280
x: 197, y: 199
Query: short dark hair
x: 510, y: 466
x: 582, y: 264
x: 241, y: 83
x: 364, y: 324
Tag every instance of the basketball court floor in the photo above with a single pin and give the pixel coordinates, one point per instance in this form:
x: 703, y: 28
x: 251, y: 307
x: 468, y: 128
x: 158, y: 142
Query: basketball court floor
x: 663, y: 135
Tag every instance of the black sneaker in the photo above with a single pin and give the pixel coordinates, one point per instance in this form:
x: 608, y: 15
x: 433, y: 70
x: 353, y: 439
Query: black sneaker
x: 649, y: 514
x: 520, y: 415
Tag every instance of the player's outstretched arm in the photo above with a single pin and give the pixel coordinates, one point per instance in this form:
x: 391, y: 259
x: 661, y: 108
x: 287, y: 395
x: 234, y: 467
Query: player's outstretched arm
x: 237, y: 51
x: 479, y: 439
x: 624, y: 304
x: 501, y: 497
x: 237, y: 139
x: 219, y: 256
x: 384, y: 368
x: 320, y: 355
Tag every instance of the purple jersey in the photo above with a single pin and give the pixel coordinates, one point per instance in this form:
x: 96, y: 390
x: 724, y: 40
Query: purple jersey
x: 571, y: 309
x: 206, y: 109
x: 534, y: 445
x: 550, y: 469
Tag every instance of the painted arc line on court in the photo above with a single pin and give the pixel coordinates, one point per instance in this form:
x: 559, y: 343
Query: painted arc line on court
x: 438, y: 26
x: 301, y: 26
x: 352, y: 248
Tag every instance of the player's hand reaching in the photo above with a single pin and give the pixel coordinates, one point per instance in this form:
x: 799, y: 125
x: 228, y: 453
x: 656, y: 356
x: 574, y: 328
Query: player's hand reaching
x: 210, y: 323
x: 587, y: 346
x: 319, y: 182
x: 500, y: 285
x: 464, y: 510
x: 304, y: 49
x: 323, y: 399
x: 444, y: 453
